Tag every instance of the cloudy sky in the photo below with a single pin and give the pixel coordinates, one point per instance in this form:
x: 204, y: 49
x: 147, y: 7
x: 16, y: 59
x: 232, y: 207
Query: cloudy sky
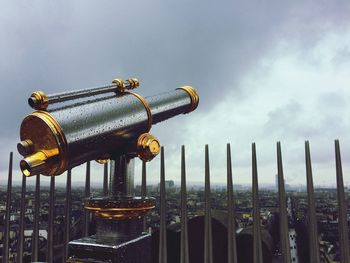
x: 266, y: 71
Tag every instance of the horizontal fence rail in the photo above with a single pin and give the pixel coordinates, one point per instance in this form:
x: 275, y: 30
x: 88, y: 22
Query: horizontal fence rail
x: 59, y: 253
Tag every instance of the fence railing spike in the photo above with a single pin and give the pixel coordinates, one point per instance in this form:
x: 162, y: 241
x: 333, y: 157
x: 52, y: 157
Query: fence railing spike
x: 67, y: 216
x: 87, y: 195
x: 184, y: 255
x: 342, y: 206
x: 312, y: 220
x: 35, y: 236
x: 8, y: 212
x: 50, y: 232
x: 208, y: 242
x: 162, y: 232
x: 231, y: 229
x: 257, y: 245
x: 283, y: 218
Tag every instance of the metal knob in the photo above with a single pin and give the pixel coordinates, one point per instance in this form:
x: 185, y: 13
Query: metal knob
x: 148, y: 147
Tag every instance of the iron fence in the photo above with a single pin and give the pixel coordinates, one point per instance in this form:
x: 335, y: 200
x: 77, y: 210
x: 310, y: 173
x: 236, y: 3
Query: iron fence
x: 52, y: 249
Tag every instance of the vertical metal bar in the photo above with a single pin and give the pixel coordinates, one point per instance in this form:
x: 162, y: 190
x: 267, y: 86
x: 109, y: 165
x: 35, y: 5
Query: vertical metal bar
x: 342, y: 206
x: 21, y: 221
x: 105, y: 179
x: 111, y: 176
x: 35, y: 238
x: 67, y: 216
x: 312, y: 226
x: 50, y: 232
x: 231, y: 230
x: 8, y: 212
x: 208, y: 245
x: 257, y: 247
x: 143, y: 182
x: 144, y: 190
x: 122, y: 177
x: 284, y: 237
x: 87, y: 195
x: 162, y: 232
x: 184, y: 256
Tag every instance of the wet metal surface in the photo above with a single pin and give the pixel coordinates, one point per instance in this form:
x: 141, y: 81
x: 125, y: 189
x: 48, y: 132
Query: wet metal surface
x: 91, y: 128
x: 168, y: 104
x: 82, y: 93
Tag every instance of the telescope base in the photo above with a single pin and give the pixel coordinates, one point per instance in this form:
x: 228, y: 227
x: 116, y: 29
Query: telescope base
x: 134, y: 250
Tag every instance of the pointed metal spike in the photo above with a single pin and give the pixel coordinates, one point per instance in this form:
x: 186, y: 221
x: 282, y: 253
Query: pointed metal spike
x: 5, y: 254
x: 105, y: 179
x: 20, y: 249
x: 231, y: 229
x: 50, y: 244
x: 67, y: 216
x: 162, y: 232
x: 35, y: 238
x: 257, y: 246
x: 143, y: 183
x: 342, y: 206
x: 208, y: 245
x: 284, y: 231
x: 312, y: 225
x: 184, y: 255
x: 87, y: 195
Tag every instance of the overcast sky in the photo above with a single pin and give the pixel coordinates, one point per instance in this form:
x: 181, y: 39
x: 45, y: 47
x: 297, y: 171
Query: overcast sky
x: 265, y: 71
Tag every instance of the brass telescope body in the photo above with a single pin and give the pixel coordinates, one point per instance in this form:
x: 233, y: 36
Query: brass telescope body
x: 69, y: 129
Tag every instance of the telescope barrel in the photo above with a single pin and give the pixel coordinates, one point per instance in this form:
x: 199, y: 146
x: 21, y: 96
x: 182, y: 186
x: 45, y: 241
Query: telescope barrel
x: 53, y: 141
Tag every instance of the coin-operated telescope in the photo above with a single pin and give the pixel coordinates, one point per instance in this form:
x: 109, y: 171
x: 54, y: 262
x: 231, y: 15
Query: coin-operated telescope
x: 104, y: 123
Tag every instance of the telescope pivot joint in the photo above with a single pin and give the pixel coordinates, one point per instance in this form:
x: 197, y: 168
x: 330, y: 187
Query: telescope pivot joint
x: 128, y: 84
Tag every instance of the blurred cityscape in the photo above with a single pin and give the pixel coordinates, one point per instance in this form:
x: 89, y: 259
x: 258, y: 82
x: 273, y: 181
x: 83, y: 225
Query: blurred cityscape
x: 297, y: 208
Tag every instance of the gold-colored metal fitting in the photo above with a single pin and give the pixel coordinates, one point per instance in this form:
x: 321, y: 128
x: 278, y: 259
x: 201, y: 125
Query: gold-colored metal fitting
x: 129, y: 84
x: 38, y: 100
x: 121, y: 208
x: 102, y: 161
x: 133, y: 83
x: 147, y: 108
x: 120, y: 85
x: 193, y: 95
x: 44, y: 145
x: 37, y: 162
x: 148, y: 147
x: 25, y: 147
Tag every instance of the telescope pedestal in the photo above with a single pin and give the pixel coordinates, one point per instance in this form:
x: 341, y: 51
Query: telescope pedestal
x: 119, y: 234
x: 134, y: 250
